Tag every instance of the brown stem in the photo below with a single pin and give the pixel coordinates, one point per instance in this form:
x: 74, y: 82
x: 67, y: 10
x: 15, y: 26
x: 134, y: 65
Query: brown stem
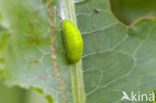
x: 53, y: 52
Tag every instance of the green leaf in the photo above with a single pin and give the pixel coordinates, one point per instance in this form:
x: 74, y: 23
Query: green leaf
x: 4, y: 35
x: 115, y: 58
x: 28, y: 51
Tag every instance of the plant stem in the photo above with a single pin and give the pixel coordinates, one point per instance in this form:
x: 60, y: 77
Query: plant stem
x: 76, y: 69
x: 77, y: 83
x: 69, y: 10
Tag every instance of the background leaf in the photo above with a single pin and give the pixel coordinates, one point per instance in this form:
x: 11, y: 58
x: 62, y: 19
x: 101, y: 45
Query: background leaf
x: 4, y: 35
x: 128, y: 11
x: 11, y: 95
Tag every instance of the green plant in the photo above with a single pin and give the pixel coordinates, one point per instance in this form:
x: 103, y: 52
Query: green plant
x: 115, y: 58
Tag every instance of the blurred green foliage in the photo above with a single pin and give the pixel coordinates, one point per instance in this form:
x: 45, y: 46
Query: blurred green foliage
x: 128, y: 11
x: 11, y: 95
x: 19, y: 95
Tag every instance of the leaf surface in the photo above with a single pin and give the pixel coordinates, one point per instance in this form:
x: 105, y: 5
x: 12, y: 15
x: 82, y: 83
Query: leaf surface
x: 115, y: 58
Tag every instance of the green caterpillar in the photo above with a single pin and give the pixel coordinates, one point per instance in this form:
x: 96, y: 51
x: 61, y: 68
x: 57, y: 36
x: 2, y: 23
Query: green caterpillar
x: 73, y: 41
